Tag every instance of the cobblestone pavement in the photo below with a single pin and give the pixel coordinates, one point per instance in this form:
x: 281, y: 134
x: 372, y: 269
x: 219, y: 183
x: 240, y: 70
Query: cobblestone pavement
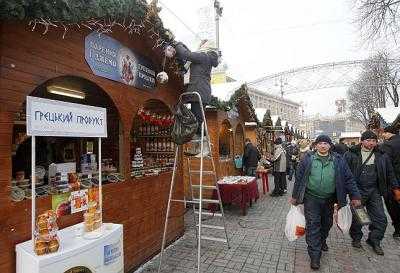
x: 258, y: 245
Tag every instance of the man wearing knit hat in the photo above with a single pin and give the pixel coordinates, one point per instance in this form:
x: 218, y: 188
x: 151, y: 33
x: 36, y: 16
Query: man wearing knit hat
x: 391, y: 146
x: 374, y: 175
x: 322, y: 179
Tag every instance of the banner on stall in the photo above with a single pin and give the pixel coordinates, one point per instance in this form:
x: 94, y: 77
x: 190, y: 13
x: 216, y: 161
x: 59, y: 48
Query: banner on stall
x: 72, y: 202
x: 61, y: 204
x: 79, y: 201
x: 108, y: 58
x: 57, y: 118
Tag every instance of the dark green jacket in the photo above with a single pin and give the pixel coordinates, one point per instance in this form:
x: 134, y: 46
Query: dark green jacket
x: 321, y: 181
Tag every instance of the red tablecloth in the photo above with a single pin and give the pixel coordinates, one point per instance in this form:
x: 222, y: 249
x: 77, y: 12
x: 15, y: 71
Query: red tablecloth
x: 263, y: 174
x: 240, y: 194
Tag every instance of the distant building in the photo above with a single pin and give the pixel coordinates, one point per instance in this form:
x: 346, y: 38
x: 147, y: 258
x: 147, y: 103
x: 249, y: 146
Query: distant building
x: 332, y: 126
x: 288, y: 110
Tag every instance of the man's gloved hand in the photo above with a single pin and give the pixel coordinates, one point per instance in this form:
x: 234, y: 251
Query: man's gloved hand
x: 356, y: 203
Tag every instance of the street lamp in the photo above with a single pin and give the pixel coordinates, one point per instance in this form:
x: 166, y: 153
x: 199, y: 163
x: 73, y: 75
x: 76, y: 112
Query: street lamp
x: 282, y: 83
x: 218, y: 14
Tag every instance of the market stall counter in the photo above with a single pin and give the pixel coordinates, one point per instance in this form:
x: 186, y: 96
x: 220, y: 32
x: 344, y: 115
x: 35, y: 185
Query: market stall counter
x: 240, y: 190
x: 101, y: 255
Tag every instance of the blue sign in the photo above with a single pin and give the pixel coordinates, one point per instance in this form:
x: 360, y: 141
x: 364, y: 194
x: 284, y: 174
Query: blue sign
x: 112, y: 253
x: 109, y: 59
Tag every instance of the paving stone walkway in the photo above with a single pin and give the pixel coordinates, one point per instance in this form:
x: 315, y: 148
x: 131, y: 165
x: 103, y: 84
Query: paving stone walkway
x: 258, y: 245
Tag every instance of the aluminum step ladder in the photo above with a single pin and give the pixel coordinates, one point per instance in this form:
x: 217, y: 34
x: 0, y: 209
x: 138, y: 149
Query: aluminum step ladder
x: 200, y: 187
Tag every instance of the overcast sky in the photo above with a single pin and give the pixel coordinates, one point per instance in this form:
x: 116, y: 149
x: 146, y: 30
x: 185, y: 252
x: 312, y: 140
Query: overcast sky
x: 261, y: 37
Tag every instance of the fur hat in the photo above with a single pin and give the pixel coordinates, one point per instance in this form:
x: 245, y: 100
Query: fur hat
x: 368, y: 135
x: 304, y: 145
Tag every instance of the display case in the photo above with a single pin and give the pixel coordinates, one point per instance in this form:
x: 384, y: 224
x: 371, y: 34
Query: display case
x: 54, y: 153
x: 152, y: 148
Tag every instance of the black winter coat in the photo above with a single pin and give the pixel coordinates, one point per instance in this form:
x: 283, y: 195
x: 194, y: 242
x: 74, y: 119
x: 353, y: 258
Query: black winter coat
x: 392, y: 148
x: 200, y: 70
x: 340, y: 148
x: 251, y: 156
x: 386, y: 177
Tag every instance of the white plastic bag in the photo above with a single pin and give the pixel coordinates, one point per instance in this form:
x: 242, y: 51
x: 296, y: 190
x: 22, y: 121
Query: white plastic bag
x: 344, y: 219
x: 295, y: 223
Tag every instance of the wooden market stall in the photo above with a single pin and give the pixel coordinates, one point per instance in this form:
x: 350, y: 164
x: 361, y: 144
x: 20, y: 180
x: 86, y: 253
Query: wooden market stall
x: 73, y: 63
x: 227, y: 133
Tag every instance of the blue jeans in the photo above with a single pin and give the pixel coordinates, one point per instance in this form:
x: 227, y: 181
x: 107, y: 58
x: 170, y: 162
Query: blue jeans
x: 319, y: 220
x: 290, y: 173
x: 374, y: 205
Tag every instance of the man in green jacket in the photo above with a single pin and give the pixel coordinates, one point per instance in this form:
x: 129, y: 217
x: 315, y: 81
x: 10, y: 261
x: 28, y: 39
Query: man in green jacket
x: 322, y: 179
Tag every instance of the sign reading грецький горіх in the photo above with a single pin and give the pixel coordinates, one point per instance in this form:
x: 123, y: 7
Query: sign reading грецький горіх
x: 109, y: 59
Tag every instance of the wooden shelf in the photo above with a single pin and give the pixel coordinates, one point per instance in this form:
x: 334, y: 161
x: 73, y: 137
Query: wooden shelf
x: 161, y: 152
x: 19, y: 122
x: 150, y: 136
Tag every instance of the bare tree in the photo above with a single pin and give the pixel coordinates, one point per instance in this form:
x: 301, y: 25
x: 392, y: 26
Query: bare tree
x: 377, y: 86
x: 378, y: 18
x: 385, y: 76
x: 361, y: 105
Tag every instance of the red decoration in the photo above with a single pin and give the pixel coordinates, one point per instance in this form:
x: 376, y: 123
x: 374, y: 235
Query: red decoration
x: 156, y: 119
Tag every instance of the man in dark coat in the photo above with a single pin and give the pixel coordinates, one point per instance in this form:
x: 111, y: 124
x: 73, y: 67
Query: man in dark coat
x: 290, y: 166
x: 251, y: 156
x: 279, y: 169
x: 200, y: 74
x: 373, y: 172
x: 391, y: 146
x: 340, y: 148
x: 322, y: 179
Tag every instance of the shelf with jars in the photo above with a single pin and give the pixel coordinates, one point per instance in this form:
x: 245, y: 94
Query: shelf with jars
x: 151, y: 143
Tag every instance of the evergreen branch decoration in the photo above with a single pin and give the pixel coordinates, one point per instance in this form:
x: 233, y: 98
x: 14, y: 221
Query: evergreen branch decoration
x: 132, y: 16
x: 71, y: 11
x: 237, y: 97
x: 101, y: 15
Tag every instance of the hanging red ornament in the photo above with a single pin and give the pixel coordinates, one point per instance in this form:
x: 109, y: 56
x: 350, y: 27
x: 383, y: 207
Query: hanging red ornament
x: 153, y: 119
x: 147, y: 116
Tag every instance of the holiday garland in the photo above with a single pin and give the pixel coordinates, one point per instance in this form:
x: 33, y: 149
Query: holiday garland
x: 132, y: 16
x: 71, y: 11
x: 238, y: 96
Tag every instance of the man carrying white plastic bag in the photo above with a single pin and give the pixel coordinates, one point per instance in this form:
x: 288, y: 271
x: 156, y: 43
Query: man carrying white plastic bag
x: 322, y: 179
x: 295, y: 223
x: 343, y: 219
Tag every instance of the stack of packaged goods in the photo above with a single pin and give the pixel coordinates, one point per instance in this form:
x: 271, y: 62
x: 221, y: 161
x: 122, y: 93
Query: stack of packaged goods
x: 137, y: 163
x: 92, y: 218
x: 88, y: 163
x: 46, y: 239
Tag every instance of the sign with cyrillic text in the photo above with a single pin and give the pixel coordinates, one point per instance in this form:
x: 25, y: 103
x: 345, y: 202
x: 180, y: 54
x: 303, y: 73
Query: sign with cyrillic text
x: 108, y: 58
x: 57, y: 118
